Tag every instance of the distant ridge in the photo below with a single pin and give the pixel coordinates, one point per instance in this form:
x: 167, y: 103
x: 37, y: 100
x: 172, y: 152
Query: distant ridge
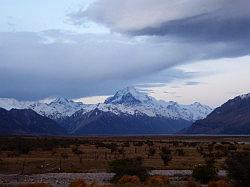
x: 233, y: 117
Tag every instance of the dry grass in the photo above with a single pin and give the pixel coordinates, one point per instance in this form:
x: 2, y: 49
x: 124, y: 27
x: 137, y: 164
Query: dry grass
x: 220, y: 183
x: 95, y: 159
x: 129, y: 180
x: 191, y: 184
x: 158, y: 181
x: 78, y: 183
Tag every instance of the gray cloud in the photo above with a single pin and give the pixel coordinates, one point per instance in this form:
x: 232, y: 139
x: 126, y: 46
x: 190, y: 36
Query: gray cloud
x: 221, y: 22
x: 215, y: 19
x: 154, y: 37
x: 37, y: 65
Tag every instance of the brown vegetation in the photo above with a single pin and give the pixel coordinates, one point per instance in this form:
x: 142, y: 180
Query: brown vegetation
x: 157, y: 181
x: 78, y: 183
x: 220, y: 183
x: 129, y: 180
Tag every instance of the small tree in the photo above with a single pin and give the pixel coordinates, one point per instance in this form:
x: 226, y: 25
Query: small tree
x: 166, y: 155
x: 180, y: 152
x: 151, y: 151
x: 132, y: 167
x: 238, y: 169
x: 205, y: 172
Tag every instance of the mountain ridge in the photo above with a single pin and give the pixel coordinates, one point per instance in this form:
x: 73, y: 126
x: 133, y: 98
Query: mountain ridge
x: 128, y: 111
x: 27, y: 122
x: 233, y: 117
x: 127, y: 100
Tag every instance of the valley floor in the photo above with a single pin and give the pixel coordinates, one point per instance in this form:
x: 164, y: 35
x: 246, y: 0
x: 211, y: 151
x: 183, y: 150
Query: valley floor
x: 64, y: 179
x: 59, y: 160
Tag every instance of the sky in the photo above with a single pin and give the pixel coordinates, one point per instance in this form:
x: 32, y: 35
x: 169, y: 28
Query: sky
x: 185, y: 50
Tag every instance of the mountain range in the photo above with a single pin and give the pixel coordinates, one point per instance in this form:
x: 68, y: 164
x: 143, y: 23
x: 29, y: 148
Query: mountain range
x: 129, y: 111
x: 233, y: 117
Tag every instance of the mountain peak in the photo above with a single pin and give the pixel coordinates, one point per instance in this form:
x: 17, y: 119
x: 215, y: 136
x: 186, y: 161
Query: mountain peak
x: 128, y: 95
x: 60, y: 100
x: 197, y: 104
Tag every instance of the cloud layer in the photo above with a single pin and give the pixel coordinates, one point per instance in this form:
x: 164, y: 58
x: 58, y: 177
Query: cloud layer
x: 148, y: 40
x: 36, y: 65
x: 218, y: 20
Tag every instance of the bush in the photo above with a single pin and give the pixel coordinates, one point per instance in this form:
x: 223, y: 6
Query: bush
x: 78, y: 183
x: 132, y: 167
x: 129, y: 180
x: 238, y: 169
x: 151, y: 151
x: 165, y: 155
x: 204, y: 173
x: 157, y: 181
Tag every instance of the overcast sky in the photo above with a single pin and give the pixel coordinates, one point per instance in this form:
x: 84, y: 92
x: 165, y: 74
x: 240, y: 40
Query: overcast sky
x: 181, y: 50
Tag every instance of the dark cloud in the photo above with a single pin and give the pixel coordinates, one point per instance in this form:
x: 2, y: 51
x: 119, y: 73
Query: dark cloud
x: 222, y: 23
x: 203, y: 28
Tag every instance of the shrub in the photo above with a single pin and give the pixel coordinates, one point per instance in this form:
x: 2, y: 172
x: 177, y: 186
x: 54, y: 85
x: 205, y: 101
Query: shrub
x: 78, y: 183
x: 64, y: 156
x: 112, y: 146
x: 165, y: 155
x: 219, y: 183
x: 129, y: 180
x: 180, y: 152
x: 238, y: 169
x: 151, y: 151
x: 139, y: 143
x: 132, y: 167
x: 157, y: 180
x: 204, y: 172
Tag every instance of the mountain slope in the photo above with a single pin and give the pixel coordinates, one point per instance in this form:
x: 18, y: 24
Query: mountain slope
x: 26, y: 121
x: 109, y: 123
x: 233, y: 117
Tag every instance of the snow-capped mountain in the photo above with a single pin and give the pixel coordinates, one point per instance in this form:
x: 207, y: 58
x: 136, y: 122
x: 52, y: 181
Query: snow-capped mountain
x: 129, y: 111
x: 126, y: 101
x: 56, y: 109
x: 129, y: 100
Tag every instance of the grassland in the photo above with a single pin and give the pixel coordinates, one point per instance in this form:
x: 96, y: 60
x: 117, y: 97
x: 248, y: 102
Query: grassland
x: 34, y: 155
